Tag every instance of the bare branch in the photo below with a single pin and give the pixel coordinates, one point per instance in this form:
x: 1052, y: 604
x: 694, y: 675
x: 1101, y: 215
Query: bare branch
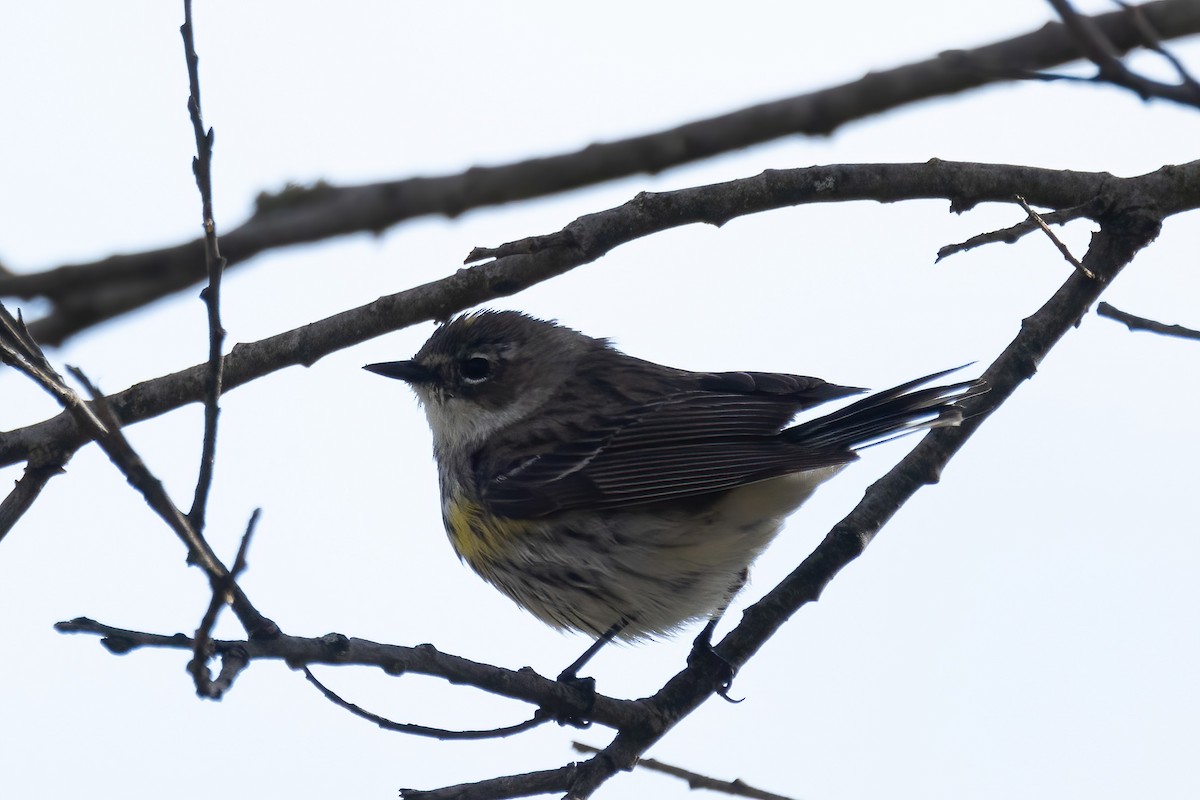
x: 1153, y: 41
x: 222, y: 594
x: 114, y: 444
x: 87, y: 294
x: 1062, y: 248
x: 21, y: 498
x: 1176, y: 189
x: 19, y: 350
x: 545, y: 782
x: 1014, y: 233
x: 214, y: 267
x: 1128, y: 225
x: 1106, y: 56
x: 98, y: 421
x: 1121, y: 237
x: 1134, y: 323
x: 423, y: 730
x: 555, y: 698
x: 736, y: 787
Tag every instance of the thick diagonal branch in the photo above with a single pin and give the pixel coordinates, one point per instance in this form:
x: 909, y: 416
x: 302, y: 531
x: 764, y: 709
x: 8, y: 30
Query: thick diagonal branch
x: 1123, y: 234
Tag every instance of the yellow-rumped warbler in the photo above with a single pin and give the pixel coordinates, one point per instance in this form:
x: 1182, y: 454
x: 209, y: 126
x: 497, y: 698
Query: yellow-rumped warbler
x: 619, y: 497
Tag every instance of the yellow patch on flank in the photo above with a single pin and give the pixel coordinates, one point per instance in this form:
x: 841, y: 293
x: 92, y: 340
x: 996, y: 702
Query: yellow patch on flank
x: 477, y: 537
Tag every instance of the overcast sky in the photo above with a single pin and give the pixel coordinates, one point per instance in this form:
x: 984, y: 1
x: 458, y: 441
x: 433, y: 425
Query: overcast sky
x: 1023, y: 629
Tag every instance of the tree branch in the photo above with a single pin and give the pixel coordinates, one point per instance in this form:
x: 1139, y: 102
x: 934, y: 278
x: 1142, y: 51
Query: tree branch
x: 1135, y: 323
x: 522, y: 264
x: 28, y: 488
x: 544, y: 782
x: 223, y: 593
x: 1101, y: 52
x: 108, y: 435
x: 335, y: 649
x: 1122, y: 235
x: 1014, y: 233
x: 1037, y: 220
x: 736, y: 787
x: 214, y: 267
x: 423, y: 730
x: 88, y: 294
x: 97, y: 421
x: 1131, y: 220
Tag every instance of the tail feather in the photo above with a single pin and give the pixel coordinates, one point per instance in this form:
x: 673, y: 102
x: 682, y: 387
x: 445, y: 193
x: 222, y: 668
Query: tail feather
x: 889, y: 414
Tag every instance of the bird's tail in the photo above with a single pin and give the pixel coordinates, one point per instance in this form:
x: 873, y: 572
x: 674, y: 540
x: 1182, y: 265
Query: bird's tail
x: 889, y: 414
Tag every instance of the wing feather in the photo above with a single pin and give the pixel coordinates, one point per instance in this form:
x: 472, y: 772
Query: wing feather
x: 687, y: 444
x: 729, y: 432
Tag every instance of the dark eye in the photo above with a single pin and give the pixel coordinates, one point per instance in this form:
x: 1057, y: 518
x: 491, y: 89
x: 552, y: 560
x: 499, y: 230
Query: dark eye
x: 475, y: 369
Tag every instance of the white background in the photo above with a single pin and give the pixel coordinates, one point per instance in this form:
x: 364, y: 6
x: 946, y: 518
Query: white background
x: 1026, y: 628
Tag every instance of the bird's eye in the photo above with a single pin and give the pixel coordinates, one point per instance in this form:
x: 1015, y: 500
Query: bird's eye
x: 475, y: 369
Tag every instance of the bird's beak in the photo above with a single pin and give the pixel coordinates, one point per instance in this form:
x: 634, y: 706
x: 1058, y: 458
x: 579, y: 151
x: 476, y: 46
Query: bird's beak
x: 408, y: 371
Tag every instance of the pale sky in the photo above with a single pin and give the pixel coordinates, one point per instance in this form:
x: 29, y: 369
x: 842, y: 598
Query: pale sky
x: 1023, y: 629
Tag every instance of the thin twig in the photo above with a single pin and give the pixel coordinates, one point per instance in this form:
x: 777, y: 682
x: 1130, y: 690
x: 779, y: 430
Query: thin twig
x: 1095, y: 46
x: 1062, y: 248
x: 1100, y: 50
x: 736, y: 787
x: 1014, y: 233
x: 1135, y: 323
x: 1152, y: 41
x: 101, y: 423
x: 27, y: 489
x: 422, y: 730
x: 525, y: 685
x: 121, y: 453
x: 222, y: 594
x: 20, y: 351
x: 215, y: 264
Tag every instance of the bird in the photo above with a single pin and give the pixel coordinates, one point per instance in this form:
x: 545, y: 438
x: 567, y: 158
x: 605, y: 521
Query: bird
x: 622, y: 498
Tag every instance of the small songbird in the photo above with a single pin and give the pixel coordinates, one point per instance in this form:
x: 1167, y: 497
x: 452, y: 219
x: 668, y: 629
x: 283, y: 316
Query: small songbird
x: 620, y: 497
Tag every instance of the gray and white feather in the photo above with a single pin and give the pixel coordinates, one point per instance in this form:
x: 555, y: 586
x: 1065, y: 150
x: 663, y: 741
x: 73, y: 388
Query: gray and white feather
x: 601, y: 491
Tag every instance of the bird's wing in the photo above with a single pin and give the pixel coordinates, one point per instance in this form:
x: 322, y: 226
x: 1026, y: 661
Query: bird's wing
x: 723, y: 435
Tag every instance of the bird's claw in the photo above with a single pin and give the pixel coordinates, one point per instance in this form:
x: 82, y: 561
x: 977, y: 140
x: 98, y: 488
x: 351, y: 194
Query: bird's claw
x: 583, y: 691
x: 704, y: 657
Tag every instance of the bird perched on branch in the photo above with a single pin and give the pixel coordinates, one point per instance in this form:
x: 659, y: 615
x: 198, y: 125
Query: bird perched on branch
x: 619, y: 497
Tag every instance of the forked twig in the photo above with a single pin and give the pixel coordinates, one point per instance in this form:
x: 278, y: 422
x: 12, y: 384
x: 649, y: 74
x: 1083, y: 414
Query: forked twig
x: 222, y: 594
x: 1062, y: 248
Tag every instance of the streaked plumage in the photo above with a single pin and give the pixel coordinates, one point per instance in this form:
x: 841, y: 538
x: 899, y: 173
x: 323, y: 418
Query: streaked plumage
x: 596, y: 489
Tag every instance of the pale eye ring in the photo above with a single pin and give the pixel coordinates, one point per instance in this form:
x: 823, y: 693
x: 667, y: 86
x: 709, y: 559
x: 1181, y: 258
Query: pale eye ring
x: 475, y: 369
